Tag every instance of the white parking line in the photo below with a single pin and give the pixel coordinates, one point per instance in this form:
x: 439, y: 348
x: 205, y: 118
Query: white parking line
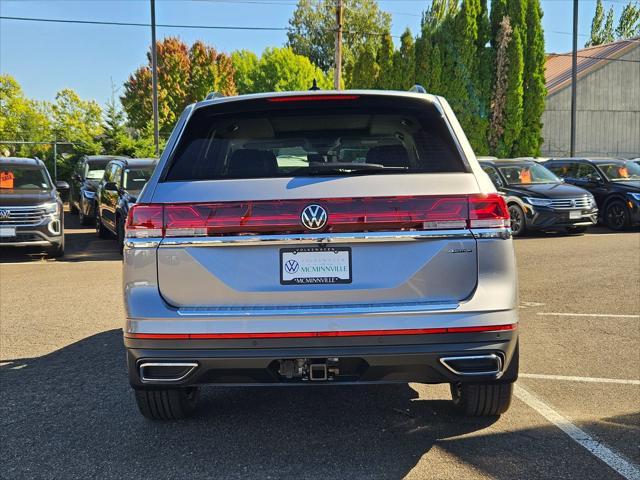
x: 616, y: 461
x: 602, y: 315
x: 580, y: 379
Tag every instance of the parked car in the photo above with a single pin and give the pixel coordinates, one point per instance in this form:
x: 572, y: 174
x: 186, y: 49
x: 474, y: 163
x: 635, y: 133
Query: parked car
x: 539, y: 200
x: 31, y: 211
x: 614, y: 183
x: 121, y: 184
x: 84, y: 182
x: 243, y: 267
x: 636, y: 160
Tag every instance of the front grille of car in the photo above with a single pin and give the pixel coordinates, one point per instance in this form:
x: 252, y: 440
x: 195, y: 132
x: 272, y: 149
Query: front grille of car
x: 571, y: 203
x: 21, y: 216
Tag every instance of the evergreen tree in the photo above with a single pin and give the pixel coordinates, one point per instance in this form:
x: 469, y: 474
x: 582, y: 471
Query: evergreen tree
x: 404, y: 63
x: 629, y: 22
x: 513, y: 97
x: 499, y: 94
x: 601, y: 27
x: 115, y: 138
x: 365, y: 71
x: 385, y: 62
x: 534, y: 91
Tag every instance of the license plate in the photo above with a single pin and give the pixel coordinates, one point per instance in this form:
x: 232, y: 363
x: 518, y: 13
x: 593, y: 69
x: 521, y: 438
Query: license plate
x: 575, y: 214
x: 311, y: 265
x: 7, y: 231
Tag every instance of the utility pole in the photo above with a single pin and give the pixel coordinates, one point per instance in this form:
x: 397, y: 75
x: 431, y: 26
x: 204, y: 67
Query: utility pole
x: 154, y: 77
x: 338, y: 59
x: 574, y: 78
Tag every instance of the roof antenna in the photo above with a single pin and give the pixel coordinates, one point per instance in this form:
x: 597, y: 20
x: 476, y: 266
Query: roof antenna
x: 315, y: 85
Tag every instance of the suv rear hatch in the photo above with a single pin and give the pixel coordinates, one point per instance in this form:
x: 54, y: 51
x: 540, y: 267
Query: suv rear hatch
x: 315, y: 201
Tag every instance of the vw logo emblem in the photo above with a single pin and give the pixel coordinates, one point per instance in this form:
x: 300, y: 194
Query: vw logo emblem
x: 291, y: 266
x: 573, y: 203
x: 5, y: 213
x: 314, y: 217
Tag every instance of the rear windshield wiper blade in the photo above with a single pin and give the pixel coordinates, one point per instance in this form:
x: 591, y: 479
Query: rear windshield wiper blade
x: 348, y: 167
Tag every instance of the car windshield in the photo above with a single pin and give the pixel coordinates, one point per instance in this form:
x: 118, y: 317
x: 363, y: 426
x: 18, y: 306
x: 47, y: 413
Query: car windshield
x: 364, y: 139
x: 530, y: 173
x: 621, y: 172
x: 23, y: 177
x: 95, y: 174
x: 134, y: 179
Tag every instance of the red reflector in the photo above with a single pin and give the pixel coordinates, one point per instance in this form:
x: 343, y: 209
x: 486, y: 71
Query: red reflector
x: 352, y: 333
x: 145, y: 221
x: 488, y: 211
x: 312, y: 98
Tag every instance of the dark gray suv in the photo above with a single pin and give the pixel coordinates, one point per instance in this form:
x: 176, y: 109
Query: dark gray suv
x: 319, y: 238
x: 31, y: 211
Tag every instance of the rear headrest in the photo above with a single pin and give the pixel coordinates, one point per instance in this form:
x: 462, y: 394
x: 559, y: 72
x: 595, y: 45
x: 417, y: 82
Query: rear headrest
x: 252, y: 163
x: 389, y: 156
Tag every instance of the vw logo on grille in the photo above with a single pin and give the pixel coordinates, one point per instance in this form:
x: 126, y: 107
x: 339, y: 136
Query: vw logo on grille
x: 573, y: 202
x: 4, y: 213
x: 314, y: 217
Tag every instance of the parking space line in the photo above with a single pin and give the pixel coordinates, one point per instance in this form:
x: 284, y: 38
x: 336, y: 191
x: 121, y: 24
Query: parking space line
x: 616, y: 461
x: 602, y: 315
x: 580, y: 379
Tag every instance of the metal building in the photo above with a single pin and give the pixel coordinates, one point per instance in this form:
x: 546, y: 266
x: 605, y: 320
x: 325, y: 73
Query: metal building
x: 608, y: 101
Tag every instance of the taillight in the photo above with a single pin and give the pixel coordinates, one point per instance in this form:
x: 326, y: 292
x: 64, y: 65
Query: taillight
x: 344, y: 215
x: 145, y: 221
x: 488, y: 211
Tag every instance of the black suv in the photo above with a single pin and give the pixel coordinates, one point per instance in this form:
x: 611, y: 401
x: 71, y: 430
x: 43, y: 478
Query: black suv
x: 614, y: 183
x: 31, y: 211
x: 84, y: 182
x: 538, y: 200
x: 120, y: 186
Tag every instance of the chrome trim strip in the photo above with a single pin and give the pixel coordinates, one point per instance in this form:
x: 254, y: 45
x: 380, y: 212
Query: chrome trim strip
x: 324, y: 310
x: 144, y: 379
x: 502, y: 233
x: 492, y: 356
x: 321, y: 238
x: 142, y: 242
x: 35, y: 243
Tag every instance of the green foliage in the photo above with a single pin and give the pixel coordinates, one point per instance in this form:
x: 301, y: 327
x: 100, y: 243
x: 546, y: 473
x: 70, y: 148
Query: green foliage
x: 312, y: 32
x: 366, y: 71
x: 601, y: 28
x: 534, y: 91
x: 629, y: 22
x: 22, y: 119
x: 245, y: 64
x: 209, y: 72
x: 404, y: 62
x: 77, y: 121
x: 280, y: 69
x: 385, y: 62
x: 514, y: 97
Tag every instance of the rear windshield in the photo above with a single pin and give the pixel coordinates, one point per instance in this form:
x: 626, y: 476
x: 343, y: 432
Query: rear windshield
x: 341, y: 138
x: 23, y: 177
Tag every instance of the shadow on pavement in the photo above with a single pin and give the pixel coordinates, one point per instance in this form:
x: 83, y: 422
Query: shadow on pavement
x: 71, y: 414
x: 81, y: 244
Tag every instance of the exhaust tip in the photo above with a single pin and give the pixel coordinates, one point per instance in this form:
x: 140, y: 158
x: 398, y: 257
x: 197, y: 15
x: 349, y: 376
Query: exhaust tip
x: 474, y: 365
x: 165, y: 371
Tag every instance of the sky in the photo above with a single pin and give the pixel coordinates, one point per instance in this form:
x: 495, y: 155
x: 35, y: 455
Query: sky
x: 47, y: 57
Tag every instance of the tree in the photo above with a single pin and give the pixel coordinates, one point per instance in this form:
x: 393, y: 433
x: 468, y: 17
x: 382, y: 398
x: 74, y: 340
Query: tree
x: 22, y: 119
x: 534, y: 91
x: 115, y: 138
x: 280, y: 69
x: 499, y: 94
x: 601, y: 28
x: 404, y: 62
x: 513, y: 97
x: 245, y: 64
x: 385, y: 62
x: 210, y: 71
x: 311, y: 32
x: 629, y: 22
x: 366, y: 71
x: 77, y: 121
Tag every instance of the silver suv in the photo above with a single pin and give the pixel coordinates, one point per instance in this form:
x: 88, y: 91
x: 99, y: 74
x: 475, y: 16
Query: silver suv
x: 319, y: 238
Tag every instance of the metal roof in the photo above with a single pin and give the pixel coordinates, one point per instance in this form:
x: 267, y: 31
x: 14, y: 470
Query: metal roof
x: 558, y: 66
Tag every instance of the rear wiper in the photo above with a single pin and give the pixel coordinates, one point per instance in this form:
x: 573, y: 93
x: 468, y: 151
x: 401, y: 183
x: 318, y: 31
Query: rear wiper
x: 348, y: 167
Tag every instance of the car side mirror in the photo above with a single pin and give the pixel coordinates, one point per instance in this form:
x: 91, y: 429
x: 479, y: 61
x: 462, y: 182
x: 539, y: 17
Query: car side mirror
x: 62, y: 186
x: 111, y: 186
x: 594, y: 180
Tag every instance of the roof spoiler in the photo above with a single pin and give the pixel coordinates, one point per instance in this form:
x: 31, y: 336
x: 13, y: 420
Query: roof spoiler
x: 417, y: 89
x: 213, y: 96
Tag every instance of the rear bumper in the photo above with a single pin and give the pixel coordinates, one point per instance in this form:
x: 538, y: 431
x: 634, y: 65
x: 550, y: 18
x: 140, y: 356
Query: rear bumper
x: 385, y: 359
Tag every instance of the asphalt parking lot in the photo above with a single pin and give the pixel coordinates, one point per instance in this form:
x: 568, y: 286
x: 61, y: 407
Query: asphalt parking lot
x: 66, y: 410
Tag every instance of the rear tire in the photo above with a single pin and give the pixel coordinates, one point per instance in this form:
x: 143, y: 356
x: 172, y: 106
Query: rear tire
x: 84, y: 220
x: 518, y: 221
x: 73, y: 210
x: 101, y: 230
x: 167, y: 404
x: 55, y: 251
x: 482, y: 399
x: 120, y: 233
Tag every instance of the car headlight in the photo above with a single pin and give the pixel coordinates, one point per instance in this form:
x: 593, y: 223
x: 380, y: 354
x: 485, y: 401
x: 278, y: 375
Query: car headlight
x: 51, y: 208
x: 592, y: 201
x: 635, y: 196
x: 89, y: 194
x: 538, y: 202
